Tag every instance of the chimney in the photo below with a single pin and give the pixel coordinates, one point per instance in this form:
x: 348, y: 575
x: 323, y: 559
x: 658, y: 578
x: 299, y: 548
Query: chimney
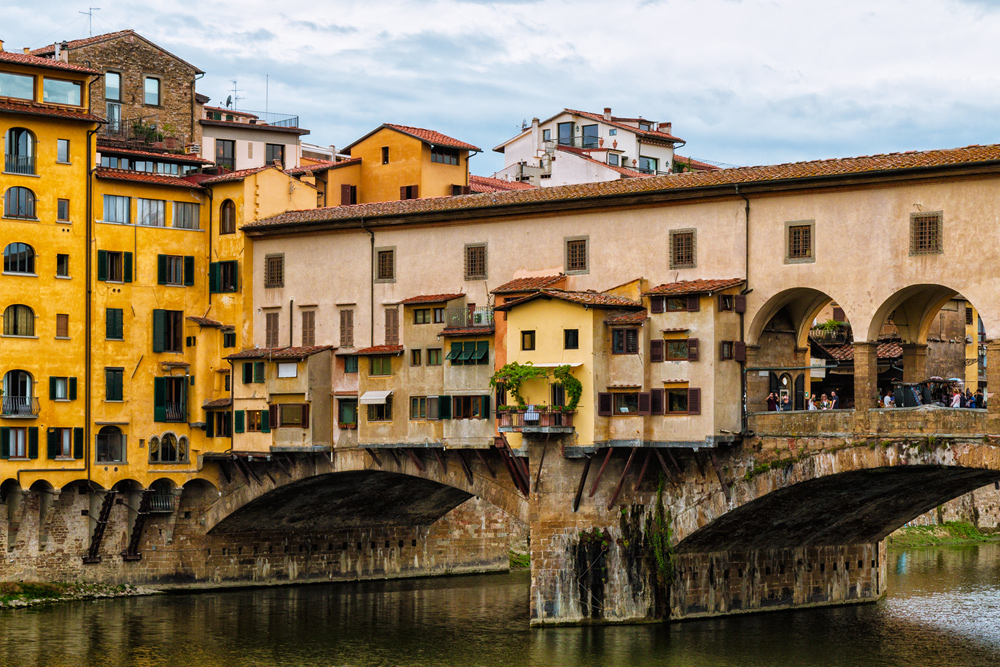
x: 57, y: 50
x: 27, y: 51
x: 536, y: 135
x: 1, y: 45
x: 607, y: 113
x: 65, y: 52
x: 665, y: 127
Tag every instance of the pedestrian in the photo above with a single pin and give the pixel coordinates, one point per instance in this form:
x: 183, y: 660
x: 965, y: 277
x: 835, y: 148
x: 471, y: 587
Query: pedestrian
x: 835, y: 400
x: 970, y: 400
x: 785, y: 405
x: 812, y: 402
x: 956, y: 399
x: 980, y: 400
x: 772, y: 402
x: 888, y: 401
x: 825, y: 403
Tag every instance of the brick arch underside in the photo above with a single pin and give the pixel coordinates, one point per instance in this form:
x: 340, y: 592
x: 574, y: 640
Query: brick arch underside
x: 345, y: 500
x: 853, y: 507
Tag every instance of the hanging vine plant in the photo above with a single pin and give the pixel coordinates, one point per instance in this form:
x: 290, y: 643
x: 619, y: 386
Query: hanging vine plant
x: 513, y: 375
x: 573, y: 387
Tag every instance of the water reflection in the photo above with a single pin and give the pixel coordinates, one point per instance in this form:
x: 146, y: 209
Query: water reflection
x: 941, y: 610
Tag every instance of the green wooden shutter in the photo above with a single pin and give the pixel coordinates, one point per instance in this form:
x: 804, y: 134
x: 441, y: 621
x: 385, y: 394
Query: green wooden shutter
x: 161, y: 269
x: 72, y: 389
x: 210, y: 424
x: 247, y: 372
x: 486, y: 406
x: 102, y: 264
x: 213, y: 277
x: 483, y: 352
x: 184, y: 401
x: 188, y: 270
x: 78, y: 443
x: 127, y: 267
x: 52, y: 388
x: 265, y: 421
x: 32, y: 442
x: 53, y: 443
x: 444, y: 407
x: 4, y: 442
x: 258, y: 371
x: 159, y: 330
x: 238, y: 421
x: 159, y: 399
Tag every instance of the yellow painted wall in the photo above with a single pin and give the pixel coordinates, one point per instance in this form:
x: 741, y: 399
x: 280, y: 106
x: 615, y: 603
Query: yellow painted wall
x: 347, y: 175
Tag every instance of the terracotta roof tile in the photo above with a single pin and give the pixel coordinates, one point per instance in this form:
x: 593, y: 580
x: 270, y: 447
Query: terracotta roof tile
x: 37, y: 61
x: 468, y: 331
x: 217, y: 403
x: 626, y: 317
x: 36, y: 109
x: 595, y: 299
x: 431, y: 298
x: 663, y: 136
x: 784, y: 173
x: 205, y: 322
x: 480, y: 184
x: 845, y: 352
x: 244, y: 114
x: 695, y: 164
x: 693, y: 287
x: 376, y: 350
x: 529, y: 284
x: 77, y: 43
x: 236, y: 175
x: 169, y: 157
x: 280, y: 352
x: 624, y: 171
x: 321, y: 165
x: 144, y: 177
x: 431, y: 137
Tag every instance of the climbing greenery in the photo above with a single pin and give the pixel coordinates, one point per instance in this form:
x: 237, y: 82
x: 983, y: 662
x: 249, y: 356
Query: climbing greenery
x: 660, y: 538
x: 573, y: 387
x: 513, y: 375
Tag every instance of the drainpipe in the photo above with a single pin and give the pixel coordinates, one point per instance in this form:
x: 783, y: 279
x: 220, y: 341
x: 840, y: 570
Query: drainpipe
x: 746, y: 290
x: 88, y: 312
x: 232, y: 405
x: 291, y: 322
x: 211, y: 207
x: 371, y: 286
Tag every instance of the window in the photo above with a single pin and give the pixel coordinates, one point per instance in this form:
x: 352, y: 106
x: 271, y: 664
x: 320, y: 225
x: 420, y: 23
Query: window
x: 288, y: 369
x: 347, y: 328
x: 380, y: 365
x: 347, y: 411
x: 113, y: 86
x: 19, y: 258
x: 434, y: 356
x: 61, y: 443
x: 62, y: 210
x: 527, y: 340
x: 660, y: 304
x: 274, y: 271
x: 274, y: 153
x: 253, y: 372
x: 968, y: 315
x: 392, y: 326
x: 62, y: 150
x: 470, y: 407
x: 168, y: 330
x: 223, y: 277
x: 727, y: 350
x: 19, y: 203
x: 19, y: 147
x: 151, y: 212
x: 113, y: 324
x: 648, y: 165
x: 590, y: 138
x: 18, y: 320
x: 385, y: 155
x: 439, y: 316
x: 348, y: 194
x: 565, y: 132
x: 228, y: 340
x: 117, y: 209
x: 571, y: 339
x: 62, y: 325
x: 225, y: 153
x: 381, y: 412
x: 14, y: 442
x: 186, y: 215
x: 613, y: 159
x: 385, y: 264
x: 677, y: 350
x: 418, y: 407
x: 113, y: 380
x: 576, y: 255
x: 444, y: 155
x: 62, y: 266
x: 151, y: 91
x: 308, y: 328
x: 682, y: 249
x: 409, y: 192
x: 227, y: 217
x: 624, y: 341
x: 626, y: 403
x: 414, y: 357
x: 220, y: 424
x: 59, y: 388
x: 421, y: 316
x: 271, y: 329
x: 114, y: 112
x: 351, y: 363
x: 114, y: 266
x: 57, y: 91
x: 799, y: 240
x: 677, y: 401
x: 170, y: 399
x: 169, y: 448
x: 546, y: 135
x: 257, y: 421
x: 17, y: 85
x: 645, y: 126
x: 110, y: 445
x: 170, y: 269
x: 475, y: 261
x: 925, y: 233
x: 469, y: 353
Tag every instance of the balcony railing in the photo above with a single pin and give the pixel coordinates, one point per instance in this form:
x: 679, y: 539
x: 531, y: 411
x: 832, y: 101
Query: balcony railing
x: 161, y: 503
x: 136, y: 132
x: 20, y: 406
x: 19, y: 164
x: 175, y: 412
x: 518, y: 420
x: 464, y: 317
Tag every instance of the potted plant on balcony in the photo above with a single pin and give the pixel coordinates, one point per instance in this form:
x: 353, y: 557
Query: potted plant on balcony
x: 572, y: 386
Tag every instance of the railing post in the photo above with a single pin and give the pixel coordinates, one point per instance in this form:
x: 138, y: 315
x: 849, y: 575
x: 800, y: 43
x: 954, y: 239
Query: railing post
x: 865, y: 382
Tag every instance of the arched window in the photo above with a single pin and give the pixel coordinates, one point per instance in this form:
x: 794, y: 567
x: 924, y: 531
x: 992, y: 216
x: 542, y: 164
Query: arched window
x: 18, y: 398
x: 168, y: 449
x: 227, y: 217
x: 18, y: 320
x: 110, y: 445
x: 19, y: 203
x: 19, y: 151
x: 18, y: 258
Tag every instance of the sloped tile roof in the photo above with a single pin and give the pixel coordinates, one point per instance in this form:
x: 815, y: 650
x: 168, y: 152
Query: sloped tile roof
x: 144, y: 177
x: 480, y: 184
x: 432, y: 137
x: 36, y: 109
x: 662, y: 136
x: 86, y: 41
x: 321, y: 165
x: 487, y: 203
x: 845, y: 352
x: 593, y: 299
x: 528, y: 284
x: 217, y: 403
x: 685, y: 287
x: 205, y: 322
x: 431, y: 298
x: 624, y: 171
x: 36, y: 61
x: 280, y: 352
x: 376, y: 350
x: 236, y: 175
x: 468, y: 331
x: 626, y: 317
x: 169, y: 157
x: 695, y: 164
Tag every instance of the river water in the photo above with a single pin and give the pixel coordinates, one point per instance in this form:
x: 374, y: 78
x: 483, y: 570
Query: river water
x: 943, y: 609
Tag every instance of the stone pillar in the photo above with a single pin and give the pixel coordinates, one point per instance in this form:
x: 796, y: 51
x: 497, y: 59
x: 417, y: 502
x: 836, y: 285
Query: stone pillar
x: 993, y: 386
x: 865, y: 382
x: 914, y: 362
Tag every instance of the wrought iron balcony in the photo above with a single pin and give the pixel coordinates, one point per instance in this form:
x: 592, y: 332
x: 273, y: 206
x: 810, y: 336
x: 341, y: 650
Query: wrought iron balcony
x: 458, y: 318
x: 20, y: 406
x: 161, y: 503
x: 175, y: 411
x: 19, y: 164
x: 527, y: 421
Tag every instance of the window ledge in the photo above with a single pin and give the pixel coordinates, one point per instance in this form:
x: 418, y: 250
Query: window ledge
x: 15, y: 336
x: 114, y: 400
x: 64, y: 458
x: 18, y: 458
x: 62, y: 162
x: 18, y: 273
x: 61, y: 400
x: 17, y: 173
x: 17, y: 217
x: 63, y: 338
x: 64, y: 222
x: 64, y: 277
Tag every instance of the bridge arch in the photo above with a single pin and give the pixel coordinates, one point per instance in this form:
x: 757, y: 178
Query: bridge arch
x: 796, y: 306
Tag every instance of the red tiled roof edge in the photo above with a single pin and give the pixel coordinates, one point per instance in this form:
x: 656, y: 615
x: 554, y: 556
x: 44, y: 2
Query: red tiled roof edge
x: 143, y: 177
x: 279, y: 352
x: 37, y: 61
x: 377, y: 350
x: 700, y: 286
x: 528, y: 283
x: 430, y: 298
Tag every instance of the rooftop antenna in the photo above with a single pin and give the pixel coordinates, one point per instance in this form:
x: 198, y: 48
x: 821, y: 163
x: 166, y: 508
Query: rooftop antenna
x: 267, y: 85
x: 235, y: 96
x: 90, y: 18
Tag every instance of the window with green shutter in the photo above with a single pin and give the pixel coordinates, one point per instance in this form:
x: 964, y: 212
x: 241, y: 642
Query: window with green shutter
x: 238, y: 420
x: 258, y: 371
x: 113, y: 380
x: 482, y: 353
x: 188, y: 271
x: 247, y: 372
x: 455, y: 353
x: 114, y: 324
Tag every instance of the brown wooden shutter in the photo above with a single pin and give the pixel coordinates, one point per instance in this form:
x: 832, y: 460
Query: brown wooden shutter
x: 838, y: 314
x: 345, y: 195
x: 656, y: 304
x: 694, y: 401
x: 305, y: 415
x: 740, y: 351
x: 272, y: 413
x: 414, y: 192
x: 391, y: 326
x: 741, y: 303
x: 656, y: 402
x: 403, y: 192
x: 644, y: 403
x: 604, y: 404
x: 656, y: 350
x: 693, y: 303
x: 692, y: 349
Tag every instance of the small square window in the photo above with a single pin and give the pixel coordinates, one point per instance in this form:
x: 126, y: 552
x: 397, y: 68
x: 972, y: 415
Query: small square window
x: 62, y: 150
x: 682, y: 249
x: 434, y: 356
x: 925, y: 234
x: 527, y: 340
x: 62, y: 214
x: 439, y: 316
x: 576, y: 255
x: 59, y: 388
x: 151, y: 91
x: 351, y: 364
x: 624, y: 341
x: 414, y: 357
x: 422, y: 316
x: 62, y: 266
x: 381, y: 365
x: 475, y: 261
x: 385, y: 264
x: 677, y: 350
x: 288, y: 370
x: 799, y: 242
x: 274, y: 271
x: 571, y: 339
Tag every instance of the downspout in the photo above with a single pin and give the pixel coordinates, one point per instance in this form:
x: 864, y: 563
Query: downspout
x: 232, y: 404
x: 211, y: 210
x: 88, y: 312
x: 291, y: 322
x: 746, y: 290
x: 371, y: 286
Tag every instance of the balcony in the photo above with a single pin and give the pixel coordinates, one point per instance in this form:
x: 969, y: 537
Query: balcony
x: 20, y: 407
x: 461, y: 318
x: 175, y: 411
x: 19, y: 164
x: 131, y: 132
x: 533, y: 421
x: 160, y: 503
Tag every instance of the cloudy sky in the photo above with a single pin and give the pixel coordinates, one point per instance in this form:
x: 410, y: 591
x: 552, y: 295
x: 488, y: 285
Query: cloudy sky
x: 743, y: 81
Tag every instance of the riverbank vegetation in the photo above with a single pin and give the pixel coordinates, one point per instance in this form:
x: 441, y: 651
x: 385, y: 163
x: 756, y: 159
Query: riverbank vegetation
x: 15, y: 594
x: 952, y: 533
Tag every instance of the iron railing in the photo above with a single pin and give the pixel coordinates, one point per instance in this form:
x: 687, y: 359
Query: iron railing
x: 517, y: 420
x: 174, y: 411
x: 19, y: 164
x: 161, y: 503
x: 20, y: 406
x: 467, y: 317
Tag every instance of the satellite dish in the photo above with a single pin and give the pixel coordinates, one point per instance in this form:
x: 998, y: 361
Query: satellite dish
x: 229, y: 101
